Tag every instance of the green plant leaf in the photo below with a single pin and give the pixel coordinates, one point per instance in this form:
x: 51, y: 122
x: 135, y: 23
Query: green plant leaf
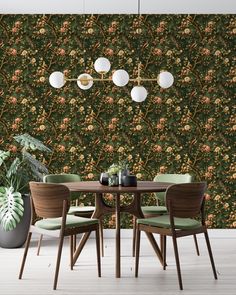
x: 36, y: 167
x: 29, y: 142
x: 3, y: 156
x: 13, y: 168
x: 12, y: 208
x: 113, y: 169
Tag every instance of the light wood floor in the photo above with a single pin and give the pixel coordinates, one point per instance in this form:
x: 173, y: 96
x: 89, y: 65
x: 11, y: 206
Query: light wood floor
x: 196, y: 271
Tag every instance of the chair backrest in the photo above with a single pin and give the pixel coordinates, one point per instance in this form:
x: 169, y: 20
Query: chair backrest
x: 185, y: 199
x: 48, y: 199
x: 60, y: 178
x: 173, y: 178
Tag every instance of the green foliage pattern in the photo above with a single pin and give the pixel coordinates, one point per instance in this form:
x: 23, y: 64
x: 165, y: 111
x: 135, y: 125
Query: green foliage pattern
x: 189, y: 127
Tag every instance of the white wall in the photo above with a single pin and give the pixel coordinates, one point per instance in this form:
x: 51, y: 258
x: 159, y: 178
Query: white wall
x: 117, y: 6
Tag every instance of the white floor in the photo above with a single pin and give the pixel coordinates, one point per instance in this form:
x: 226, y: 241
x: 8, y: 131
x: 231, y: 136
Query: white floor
x: 196, y: 271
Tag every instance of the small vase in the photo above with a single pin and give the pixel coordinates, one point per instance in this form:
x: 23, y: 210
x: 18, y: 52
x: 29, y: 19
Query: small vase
x: 122, y: 173
x: 113, y: 180
x: 104, y: 178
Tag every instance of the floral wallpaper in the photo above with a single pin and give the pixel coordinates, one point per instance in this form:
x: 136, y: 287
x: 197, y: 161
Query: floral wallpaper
x: 189, y: 127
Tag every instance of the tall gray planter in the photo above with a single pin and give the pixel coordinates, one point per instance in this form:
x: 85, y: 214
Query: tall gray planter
x: 17, y: 237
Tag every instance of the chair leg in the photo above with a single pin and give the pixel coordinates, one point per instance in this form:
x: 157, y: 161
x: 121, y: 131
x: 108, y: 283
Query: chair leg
x: 101, y: 236
x: 177, y: 261
x: 196, y: 245
x: 163, y: 249
x: 58, y: 261
x: 161, y: 243
x: 98, y: 252
x: 25, y: 255
x: 74, y: 243
x: 164, y: 252
x: 210, y: 254
x: 134, y: 236
x: 71, y: 251
x: 39, y: 244
x: 137, y: 248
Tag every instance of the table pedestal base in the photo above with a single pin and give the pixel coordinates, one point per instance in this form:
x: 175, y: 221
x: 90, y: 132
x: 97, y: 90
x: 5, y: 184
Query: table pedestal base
x: 102, y: 208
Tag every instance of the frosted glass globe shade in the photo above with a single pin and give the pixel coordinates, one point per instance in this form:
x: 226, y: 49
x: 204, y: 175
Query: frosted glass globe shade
x: 102, y: 65
x: 56, y: 79
x: 165, y: 79
x: 138, y: 93
x: 85, y: 81
x: 120, y: 78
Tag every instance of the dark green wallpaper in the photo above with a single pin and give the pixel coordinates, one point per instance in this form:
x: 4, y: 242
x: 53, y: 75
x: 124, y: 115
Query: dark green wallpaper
x: 189, y: 127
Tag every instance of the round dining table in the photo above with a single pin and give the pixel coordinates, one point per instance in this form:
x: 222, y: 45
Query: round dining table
x: 101, y: 208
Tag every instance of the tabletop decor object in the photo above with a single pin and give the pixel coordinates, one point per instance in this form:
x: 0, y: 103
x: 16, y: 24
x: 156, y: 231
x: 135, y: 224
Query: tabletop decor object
x: 113, y: 180
x: 104, y: 178
x: 129, y: 180
x: 124, y: 170
x: 113, y: 171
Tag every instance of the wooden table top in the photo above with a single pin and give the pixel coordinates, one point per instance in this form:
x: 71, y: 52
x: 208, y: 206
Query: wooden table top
x: 96, y: 187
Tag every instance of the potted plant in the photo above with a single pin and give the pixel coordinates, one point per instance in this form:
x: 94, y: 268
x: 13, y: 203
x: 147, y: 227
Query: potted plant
x: 117, y: 171
x: 15, y: 173
x: 113, y: 171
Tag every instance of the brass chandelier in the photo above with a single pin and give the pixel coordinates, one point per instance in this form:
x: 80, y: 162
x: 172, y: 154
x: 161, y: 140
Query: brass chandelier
x: 120, y: 78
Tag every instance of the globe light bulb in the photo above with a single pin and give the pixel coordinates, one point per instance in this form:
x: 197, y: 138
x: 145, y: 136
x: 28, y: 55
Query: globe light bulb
x: 120, y: 78
x: 56, y: 79
x: 102, y: 65
x: 138, y: 93
x: 165, y: 79
x: 85, y: 81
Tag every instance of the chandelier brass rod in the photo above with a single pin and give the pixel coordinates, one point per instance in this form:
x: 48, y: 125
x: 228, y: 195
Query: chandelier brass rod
x: 109, y: 79
x: 143, y: 79
x: 88, y: 79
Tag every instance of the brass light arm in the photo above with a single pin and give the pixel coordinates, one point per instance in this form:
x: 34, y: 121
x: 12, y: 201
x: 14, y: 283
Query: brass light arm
x: 138, y: 80
x: 87, y: 79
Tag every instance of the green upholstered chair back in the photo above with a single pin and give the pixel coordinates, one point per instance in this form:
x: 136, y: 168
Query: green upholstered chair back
x: 173, y: 178
x: 60, y: 178
x: 185, y: 199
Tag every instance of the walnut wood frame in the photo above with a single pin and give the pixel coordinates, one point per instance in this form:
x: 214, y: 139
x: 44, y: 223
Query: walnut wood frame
x: 51, y: 201
x: 177, y: 197
x: 101, y: 209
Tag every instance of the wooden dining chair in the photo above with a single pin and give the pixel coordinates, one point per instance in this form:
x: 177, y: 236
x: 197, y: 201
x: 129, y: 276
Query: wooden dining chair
x: 83, y: 211
x: 51, y: 202
x: 185, y: 203
x: 160, y: 208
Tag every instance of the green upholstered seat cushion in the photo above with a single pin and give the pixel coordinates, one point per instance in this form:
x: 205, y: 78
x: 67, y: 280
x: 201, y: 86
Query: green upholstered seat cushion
x: 71, y: 221
x: 81, y: 209
x: 154, y: 210
x: 164, y: 221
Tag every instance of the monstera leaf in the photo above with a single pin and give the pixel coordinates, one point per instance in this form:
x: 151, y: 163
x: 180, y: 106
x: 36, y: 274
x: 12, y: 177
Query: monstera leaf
x: 11, y: 208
